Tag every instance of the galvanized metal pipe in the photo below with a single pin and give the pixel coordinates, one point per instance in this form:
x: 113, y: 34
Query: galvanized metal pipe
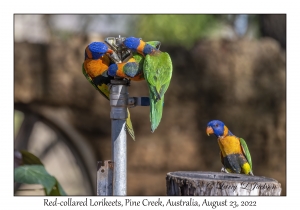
x: 119, y: 101
x: 118, y: 115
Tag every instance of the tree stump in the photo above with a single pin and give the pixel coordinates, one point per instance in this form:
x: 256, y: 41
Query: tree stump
x: 194, y: 183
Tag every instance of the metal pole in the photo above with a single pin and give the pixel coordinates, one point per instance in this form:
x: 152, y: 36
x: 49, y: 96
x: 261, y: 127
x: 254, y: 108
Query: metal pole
x: 119, y: 101
x: 118, y: 115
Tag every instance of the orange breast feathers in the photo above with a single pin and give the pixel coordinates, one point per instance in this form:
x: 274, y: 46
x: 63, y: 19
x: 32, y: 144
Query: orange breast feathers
x: 230, y: 145
x: 95, y: 68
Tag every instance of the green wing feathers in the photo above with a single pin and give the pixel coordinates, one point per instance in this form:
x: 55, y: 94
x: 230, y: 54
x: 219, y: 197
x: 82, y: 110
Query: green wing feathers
x: 246, y: 151
x: 158, y: 69
x: 164, y: 88
x: 140, y: 59
x: 157, y: 72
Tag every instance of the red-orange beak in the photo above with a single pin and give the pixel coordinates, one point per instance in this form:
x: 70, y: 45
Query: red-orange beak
x: 209, y: 130
x: 110, y: 51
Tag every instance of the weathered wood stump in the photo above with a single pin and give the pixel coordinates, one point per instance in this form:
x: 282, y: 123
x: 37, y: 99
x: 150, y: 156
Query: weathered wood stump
x: 194, y: 183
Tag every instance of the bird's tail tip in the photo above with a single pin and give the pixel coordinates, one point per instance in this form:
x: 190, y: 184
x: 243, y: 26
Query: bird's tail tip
x: 153, y: 128
x: 130, y: 131
x: 132, y: 136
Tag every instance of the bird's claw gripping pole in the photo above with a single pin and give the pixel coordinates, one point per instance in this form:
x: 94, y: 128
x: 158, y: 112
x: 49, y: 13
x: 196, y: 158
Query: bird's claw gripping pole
x: 119, y: 102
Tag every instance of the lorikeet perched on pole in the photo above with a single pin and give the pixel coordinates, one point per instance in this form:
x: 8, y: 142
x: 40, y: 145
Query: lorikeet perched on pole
x: 157, y: 70
x: 133, y: 68
x: 235, y: 155
x: 95, y: 68
x: 129, y: 70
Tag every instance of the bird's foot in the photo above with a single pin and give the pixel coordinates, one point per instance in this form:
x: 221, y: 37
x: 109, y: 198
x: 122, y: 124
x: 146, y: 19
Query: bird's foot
x: 224, y: 170
x: 127, y: 81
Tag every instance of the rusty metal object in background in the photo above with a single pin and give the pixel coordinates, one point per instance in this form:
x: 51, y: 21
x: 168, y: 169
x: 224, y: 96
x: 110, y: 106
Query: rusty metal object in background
x: 105, y: 178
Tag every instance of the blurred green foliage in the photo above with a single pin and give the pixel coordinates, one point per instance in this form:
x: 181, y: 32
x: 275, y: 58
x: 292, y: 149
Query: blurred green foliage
x: 175, y: 29
x: 28, y: 169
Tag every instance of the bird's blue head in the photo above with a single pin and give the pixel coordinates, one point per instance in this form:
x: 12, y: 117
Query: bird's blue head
x: 97, y: 50
x: 112, y: 70
x: 218, y: 128
x: 132, y: 43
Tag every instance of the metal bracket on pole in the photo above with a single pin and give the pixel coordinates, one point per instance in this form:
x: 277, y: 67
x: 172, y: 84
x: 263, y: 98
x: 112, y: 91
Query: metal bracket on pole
x: 138, y: 101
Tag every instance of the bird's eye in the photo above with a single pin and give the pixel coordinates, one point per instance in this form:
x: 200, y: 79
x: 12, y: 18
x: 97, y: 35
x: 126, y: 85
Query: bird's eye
x: 217, y: 125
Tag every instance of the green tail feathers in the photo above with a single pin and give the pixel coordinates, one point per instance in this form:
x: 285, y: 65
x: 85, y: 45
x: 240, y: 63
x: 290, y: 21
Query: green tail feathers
x: 129, y: 126
x: 246, y: 152
x: 156, y: 110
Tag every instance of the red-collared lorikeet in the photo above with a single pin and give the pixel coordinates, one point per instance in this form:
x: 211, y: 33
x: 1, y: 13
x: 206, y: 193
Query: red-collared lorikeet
x: 235, y: 155
x: 157, y: 69
x: 95, y: 68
